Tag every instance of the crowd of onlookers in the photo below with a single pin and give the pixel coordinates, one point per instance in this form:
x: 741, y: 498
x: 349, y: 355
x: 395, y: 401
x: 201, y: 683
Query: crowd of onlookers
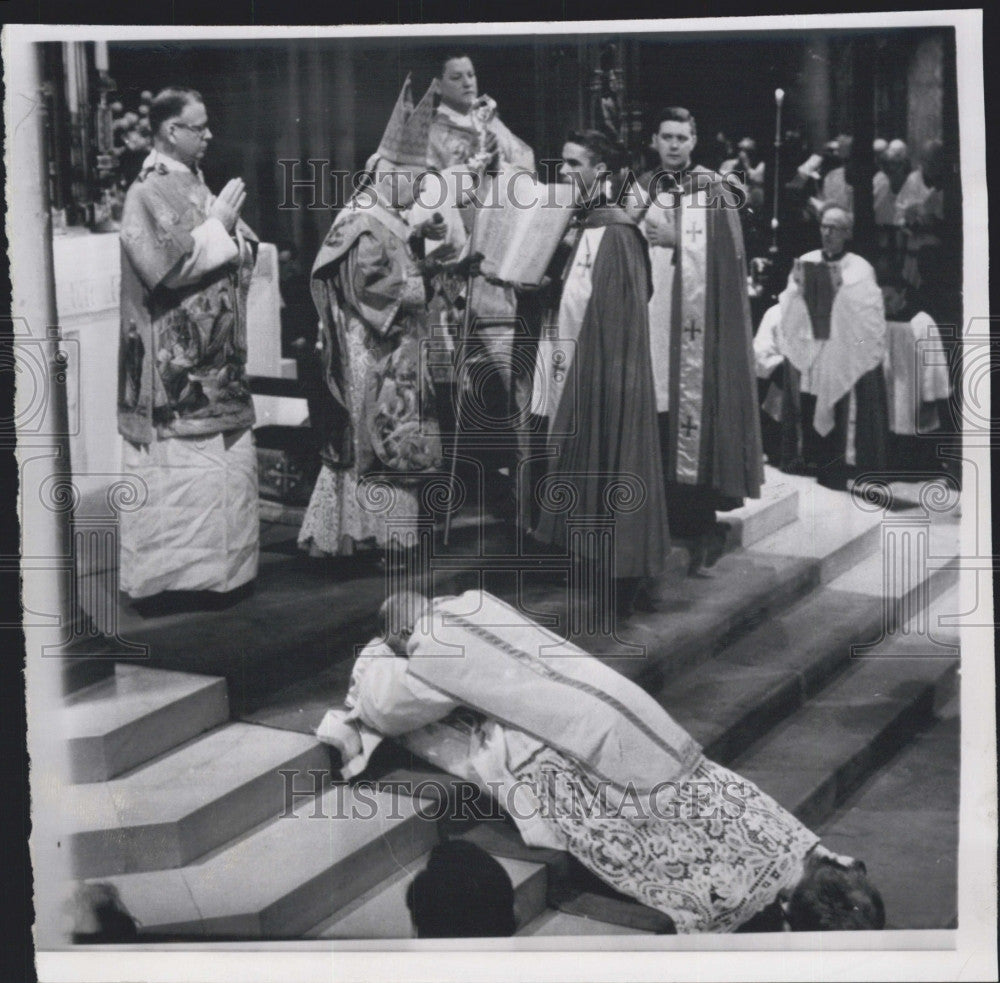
x: 915, y: 259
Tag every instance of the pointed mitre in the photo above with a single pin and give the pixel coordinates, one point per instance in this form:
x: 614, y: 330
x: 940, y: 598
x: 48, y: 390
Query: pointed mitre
x: 407, y: 133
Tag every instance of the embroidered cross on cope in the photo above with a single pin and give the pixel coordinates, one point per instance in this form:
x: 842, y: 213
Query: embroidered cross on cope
x: 585, y: 262
x: 692, y: 330
x: 693, y: 232
x: 689, y: 426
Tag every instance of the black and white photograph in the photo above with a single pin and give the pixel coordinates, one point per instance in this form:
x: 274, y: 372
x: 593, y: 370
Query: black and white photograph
x: 505, y: 501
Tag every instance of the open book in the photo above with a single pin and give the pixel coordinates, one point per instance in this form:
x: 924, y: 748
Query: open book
x: 519, y: 223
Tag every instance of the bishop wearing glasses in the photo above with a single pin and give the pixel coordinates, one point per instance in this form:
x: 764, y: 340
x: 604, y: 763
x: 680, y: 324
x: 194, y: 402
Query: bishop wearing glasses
x: 184, y: 404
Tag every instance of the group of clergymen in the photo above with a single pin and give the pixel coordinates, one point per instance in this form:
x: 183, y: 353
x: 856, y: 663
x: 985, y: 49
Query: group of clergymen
x: 629, y: 364
x: 642, y: 389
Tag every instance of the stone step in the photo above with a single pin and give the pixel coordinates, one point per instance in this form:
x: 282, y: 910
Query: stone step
x: 381, y: 913
x: 917, y: 562
x: 777, y: 507
x: 188, y: 801
x: 697, y: 617
x: 552, y: 922
x: 732, y: 700
x: 903, y: 823
x: 287, y: 875
x: 833, y: 529
x: 817, y: 757
x: 135, y: 715
x: 78, y: 672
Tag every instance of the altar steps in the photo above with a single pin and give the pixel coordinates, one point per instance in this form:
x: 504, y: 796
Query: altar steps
x: 759, y: 659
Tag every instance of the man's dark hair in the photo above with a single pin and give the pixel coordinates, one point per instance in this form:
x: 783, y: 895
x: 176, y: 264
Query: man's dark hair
x: 453, y: 54
x: 598, y: 145
x: 169, y: 103
x: 463, y: 893
x: 676, y: 114
x: 832, y: 898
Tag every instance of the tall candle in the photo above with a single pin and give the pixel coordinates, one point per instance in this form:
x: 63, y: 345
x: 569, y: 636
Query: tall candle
x: 69, y: 66
x: 101, y: 56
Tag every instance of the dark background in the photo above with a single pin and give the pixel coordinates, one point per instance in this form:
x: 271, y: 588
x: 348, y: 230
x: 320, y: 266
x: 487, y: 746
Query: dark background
x: 329, y: 99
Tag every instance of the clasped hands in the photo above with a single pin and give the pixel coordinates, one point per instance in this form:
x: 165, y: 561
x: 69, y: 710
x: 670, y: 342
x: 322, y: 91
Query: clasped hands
x: 226, y: 207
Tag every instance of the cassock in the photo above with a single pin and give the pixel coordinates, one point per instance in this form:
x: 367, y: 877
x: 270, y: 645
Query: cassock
x: 383, y: 433
x: 582, y: 760
x: 836, y: 347
x: 184, y: 404
x: 594, y: 384
x: 701, y: 339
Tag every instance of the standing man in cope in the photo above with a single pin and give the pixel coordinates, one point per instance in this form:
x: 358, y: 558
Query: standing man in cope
x: 184, y: 404
x: 700, y: 341
x: 594, y: 384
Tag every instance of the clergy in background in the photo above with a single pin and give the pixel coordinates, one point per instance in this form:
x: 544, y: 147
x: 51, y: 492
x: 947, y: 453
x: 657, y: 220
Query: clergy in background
x: 833, y: 334
x: 184, y: 405
x: 701, y: 341
x: 594, y: 385
x: 371, y: 297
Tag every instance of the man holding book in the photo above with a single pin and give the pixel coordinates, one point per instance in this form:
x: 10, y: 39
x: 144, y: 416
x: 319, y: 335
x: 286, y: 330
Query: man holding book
x: 593, y: 384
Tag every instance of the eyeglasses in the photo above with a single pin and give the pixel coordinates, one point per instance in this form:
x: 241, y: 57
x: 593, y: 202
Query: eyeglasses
x: 200, y: 128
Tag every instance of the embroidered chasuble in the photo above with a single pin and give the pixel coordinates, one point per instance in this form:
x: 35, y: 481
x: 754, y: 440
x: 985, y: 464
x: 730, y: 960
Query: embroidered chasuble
x: 182, y: 370
x: 372, y: 305
x: 184, y: 404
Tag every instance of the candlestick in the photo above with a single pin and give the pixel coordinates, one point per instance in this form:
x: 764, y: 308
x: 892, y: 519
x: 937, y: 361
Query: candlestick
x: 72, y: 82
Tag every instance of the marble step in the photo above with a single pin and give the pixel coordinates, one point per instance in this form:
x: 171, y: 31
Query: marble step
x: 732, y: 700
x: 286, y: 875
x: 834, y: 529
x: 381, y: 913
x: 188, y: 801
x: 561, y: 923
x: 136, y: 714
x: 819, y: 755
x: 78, y: 672
x: 777, y: 507
x: 903, y: 822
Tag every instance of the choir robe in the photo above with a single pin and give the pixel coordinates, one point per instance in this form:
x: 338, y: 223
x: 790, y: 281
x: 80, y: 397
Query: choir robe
x: 701, y: 337
x: 918, y: 385
x: 594, y: 383
x: 843, y: 372
x: 578, y: 756
x: 184, y: 403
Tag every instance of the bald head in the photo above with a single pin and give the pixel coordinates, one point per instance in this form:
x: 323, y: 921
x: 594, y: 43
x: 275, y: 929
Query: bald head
x: 399, y: 614
x: 836, y: 216
x: 835, y: 225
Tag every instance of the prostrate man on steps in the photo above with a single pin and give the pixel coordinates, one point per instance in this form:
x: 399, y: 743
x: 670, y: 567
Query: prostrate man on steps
x: 579, y: 756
